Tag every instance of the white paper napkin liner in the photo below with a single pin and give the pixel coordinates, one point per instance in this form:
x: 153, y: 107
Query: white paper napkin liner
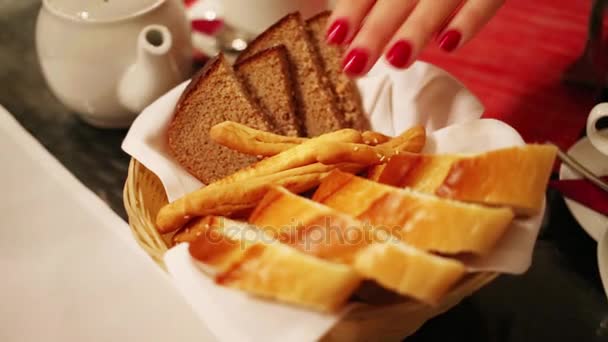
x: 234, y: 315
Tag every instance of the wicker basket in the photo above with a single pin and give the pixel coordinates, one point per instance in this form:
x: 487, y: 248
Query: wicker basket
x: 144, y: 196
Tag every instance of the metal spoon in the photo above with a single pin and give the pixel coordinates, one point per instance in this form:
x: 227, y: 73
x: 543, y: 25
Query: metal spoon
x: 578, y: 167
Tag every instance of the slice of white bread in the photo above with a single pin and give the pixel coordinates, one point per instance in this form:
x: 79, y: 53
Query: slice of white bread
x: 515, y: 177
x: 310, y: 227
x: 241, y: 257
x: 318, y: 230
x: 421, y: 220
x: 408, y: 271
x: 316, y: 99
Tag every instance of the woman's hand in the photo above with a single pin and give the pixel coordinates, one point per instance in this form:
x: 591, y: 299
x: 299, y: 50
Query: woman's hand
x: 400, y: 29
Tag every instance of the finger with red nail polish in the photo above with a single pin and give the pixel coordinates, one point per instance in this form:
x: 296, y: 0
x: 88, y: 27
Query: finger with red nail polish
x: 425, y: 20
x: 346, y: 19
x: 471, y: 17
x: 356, y: 62
x: 449, y: 40
x: 399, y: 54
x: 337, y: 32
x: 400, y: 29
x: 379, y: 27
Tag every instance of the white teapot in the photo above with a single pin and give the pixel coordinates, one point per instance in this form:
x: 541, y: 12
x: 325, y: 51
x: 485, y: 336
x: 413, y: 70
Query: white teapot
x: 108, y: 59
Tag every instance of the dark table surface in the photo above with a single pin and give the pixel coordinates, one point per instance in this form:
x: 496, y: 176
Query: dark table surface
x: 559, y: 299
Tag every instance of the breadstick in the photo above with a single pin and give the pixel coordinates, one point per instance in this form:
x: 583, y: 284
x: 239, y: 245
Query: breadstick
x: 412, y: 140
x: 226, y: 198
x: 300, y: 155
x: 357, y: 153
x: 230, y: 130
x: 192, y: 230
x: 260, y: 143
x: 250, y: 141
x: 297, y: 169
x: 337, y: 152
x: 374, y: 138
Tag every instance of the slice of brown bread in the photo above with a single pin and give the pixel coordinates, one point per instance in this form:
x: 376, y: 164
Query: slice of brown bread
x: 316, y: 101
x: 214, y: 95
x: 349, y: 99
x: 267, y: 76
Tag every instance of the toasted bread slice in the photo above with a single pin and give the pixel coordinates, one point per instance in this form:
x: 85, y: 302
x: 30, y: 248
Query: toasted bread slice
x: 268, y: 78
x: 408, y: 271
x: 421, y: 220
x: 316, y: 100
x: 349, y: 99
x: 318, y: 230
x: 240, y: 257
x: 214, y: 95
x: 515, y: 177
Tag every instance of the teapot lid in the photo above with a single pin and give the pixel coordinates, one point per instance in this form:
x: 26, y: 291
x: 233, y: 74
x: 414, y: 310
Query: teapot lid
x: 100, y: 10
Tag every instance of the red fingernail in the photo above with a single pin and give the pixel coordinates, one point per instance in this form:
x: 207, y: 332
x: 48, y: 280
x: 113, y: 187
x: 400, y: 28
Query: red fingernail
x: 399, y: 54
x: 355, y: 62
x: 337, y: 32
x: 449, y: 40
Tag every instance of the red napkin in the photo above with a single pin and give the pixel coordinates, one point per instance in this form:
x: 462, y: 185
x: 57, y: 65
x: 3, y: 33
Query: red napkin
x: 515, y: 66
x: 584, y: 192
x: 208, y: 27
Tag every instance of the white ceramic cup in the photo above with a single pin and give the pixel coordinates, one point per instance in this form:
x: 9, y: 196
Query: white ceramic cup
x: 254, y: 17
x: 598, y: 138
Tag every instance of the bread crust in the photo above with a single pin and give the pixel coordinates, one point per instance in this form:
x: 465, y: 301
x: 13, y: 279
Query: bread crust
x: 516, y: 177
x: 209, y: 67
x: 423, y: 221
x: 266, y: 268
x: 264, y: 35
x: 409, y: 271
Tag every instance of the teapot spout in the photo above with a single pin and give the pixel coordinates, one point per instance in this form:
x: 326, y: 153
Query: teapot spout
x: 153, y: 73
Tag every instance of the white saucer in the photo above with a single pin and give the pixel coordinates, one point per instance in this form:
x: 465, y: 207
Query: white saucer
x: 592, y: 222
